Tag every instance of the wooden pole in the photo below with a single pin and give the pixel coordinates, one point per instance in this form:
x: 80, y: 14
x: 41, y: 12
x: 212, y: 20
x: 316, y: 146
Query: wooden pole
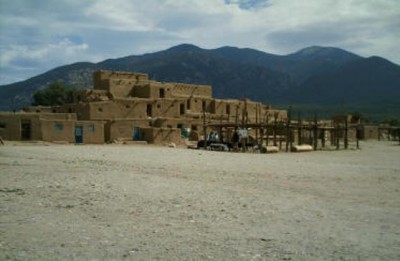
x: 358, y: 135
x: 288, y: 138
x: 379, y: 133
x: 337, y: 136
x: 204, y: 129
x: 346, y: 133
x: 267, y: 129
x: 275, y: 127
x: 398, y: 133
x: 299, y: 129
x: 315, y: 131
x: 257, y: 142
x: 243, y: 125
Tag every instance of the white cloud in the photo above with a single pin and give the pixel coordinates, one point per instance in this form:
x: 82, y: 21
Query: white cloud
x: 65, y: 48
x: 42, y: 34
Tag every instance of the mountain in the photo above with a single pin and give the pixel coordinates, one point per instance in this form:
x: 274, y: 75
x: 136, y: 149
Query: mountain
x: 299, y: 66
x: 17, y: 95
x: 370, y: 80
x: 314, y: 75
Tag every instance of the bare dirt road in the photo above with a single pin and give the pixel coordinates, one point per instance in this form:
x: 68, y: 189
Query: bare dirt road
x: 109, y: 202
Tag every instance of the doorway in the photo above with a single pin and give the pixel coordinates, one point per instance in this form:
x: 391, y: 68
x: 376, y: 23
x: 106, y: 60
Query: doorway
x: 78, y: 134
x: 136, y: 134
x: 25, y: 130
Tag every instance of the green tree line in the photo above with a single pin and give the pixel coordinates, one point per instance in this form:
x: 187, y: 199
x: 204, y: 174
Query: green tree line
x: 55, y: 93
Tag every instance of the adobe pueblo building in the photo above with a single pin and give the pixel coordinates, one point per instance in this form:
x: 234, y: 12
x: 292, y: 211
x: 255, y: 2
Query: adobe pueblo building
x: 130, y: 107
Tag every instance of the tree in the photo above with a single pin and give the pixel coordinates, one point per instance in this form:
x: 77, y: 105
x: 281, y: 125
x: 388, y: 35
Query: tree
x: 55, y: 93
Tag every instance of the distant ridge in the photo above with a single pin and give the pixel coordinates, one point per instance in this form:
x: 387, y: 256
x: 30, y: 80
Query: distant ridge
x: 315, y: 75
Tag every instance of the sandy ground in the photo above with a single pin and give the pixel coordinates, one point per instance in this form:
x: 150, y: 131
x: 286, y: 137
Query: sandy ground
x: 129, y: 202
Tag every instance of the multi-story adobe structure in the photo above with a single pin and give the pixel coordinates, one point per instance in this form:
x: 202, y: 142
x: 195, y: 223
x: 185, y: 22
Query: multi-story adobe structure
x: 130, y: 106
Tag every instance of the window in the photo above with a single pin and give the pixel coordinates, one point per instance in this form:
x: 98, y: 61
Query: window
x: 58, y: 127
x: 228, y: 109
x: 90, y: 128
x: 182, y: 108
x: 162, y: 93
x: 100, y: 109
x: 188, y: 104
x: 2, y: 125
x: 148, y: 110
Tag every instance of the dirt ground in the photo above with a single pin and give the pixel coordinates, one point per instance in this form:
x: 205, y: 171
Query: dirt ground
x: 116, y: 202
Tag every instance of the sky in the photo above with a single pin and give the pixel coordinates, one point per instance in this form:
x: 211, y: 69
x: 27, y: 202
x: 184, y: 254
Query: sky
x: 39, y: 35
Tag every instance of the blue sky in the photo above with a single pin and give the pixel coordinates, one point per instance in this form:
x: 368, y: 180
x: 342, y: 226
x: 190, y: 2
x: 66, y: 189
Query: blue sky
x: 36, y: 36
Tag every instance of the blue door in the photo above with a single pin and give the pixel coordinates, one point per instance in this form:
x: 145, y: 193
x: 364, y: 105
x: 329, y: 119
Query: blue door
x: 78, y: 134
x: 136, y: 135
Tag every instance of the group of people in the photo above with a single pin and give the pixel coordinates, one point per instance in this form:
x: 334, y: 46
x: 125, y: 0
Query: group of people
x: 213, y: 136
x: 237, y: 137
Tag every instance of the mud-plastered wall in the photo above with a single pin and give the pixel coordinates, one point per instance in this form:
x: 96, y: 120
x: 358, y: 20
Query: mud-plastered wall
x: 124, y: 129
x: 117, y: 109
x: 162, y: 135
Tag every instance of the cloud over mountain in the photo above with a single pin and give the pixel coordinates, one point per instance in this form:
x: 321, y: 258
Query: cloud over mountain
x: 36, y: 36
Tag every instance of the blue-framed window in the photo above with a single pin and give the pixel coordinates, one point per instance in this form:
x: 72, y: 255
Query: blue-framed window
x: 58, y: 127
x: 90, y: 128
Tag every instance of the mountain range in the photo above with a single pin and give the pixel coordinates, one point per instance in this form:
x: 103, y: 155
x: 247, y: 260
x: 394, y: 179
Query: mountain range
x: 322, y: 80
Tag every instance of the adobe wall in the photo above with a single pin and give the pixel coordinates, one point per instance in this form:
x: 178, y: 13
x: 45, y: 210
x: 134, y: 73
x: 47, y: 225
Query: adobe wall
x: 196, y: 124
x: 235, y: 110
x: 118, y: 109
x: 224, y: 106
x: 160, y: 90
x: 190, y: 90
x: 93, y: 131
x: 198, y: 105
x: 81, y: 110
x: 342, y: 119
x: 65, y: 131
x: 120, y: 88
x: 101, y: 79
x: 153, y: 90
x: 162, y: 135
x: 38, y: 109
x: 42, y: 127
x: 142, y: 91
x: 165, y: 108
x: 12, y: 122
x: 90, y: 95
x: 57, y: 116
x: 127, y: 100
x: 10, y: 127
x: 281, y: 115
x: 371, y: 132
x: 135, y: 108
x: 123, y: 129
